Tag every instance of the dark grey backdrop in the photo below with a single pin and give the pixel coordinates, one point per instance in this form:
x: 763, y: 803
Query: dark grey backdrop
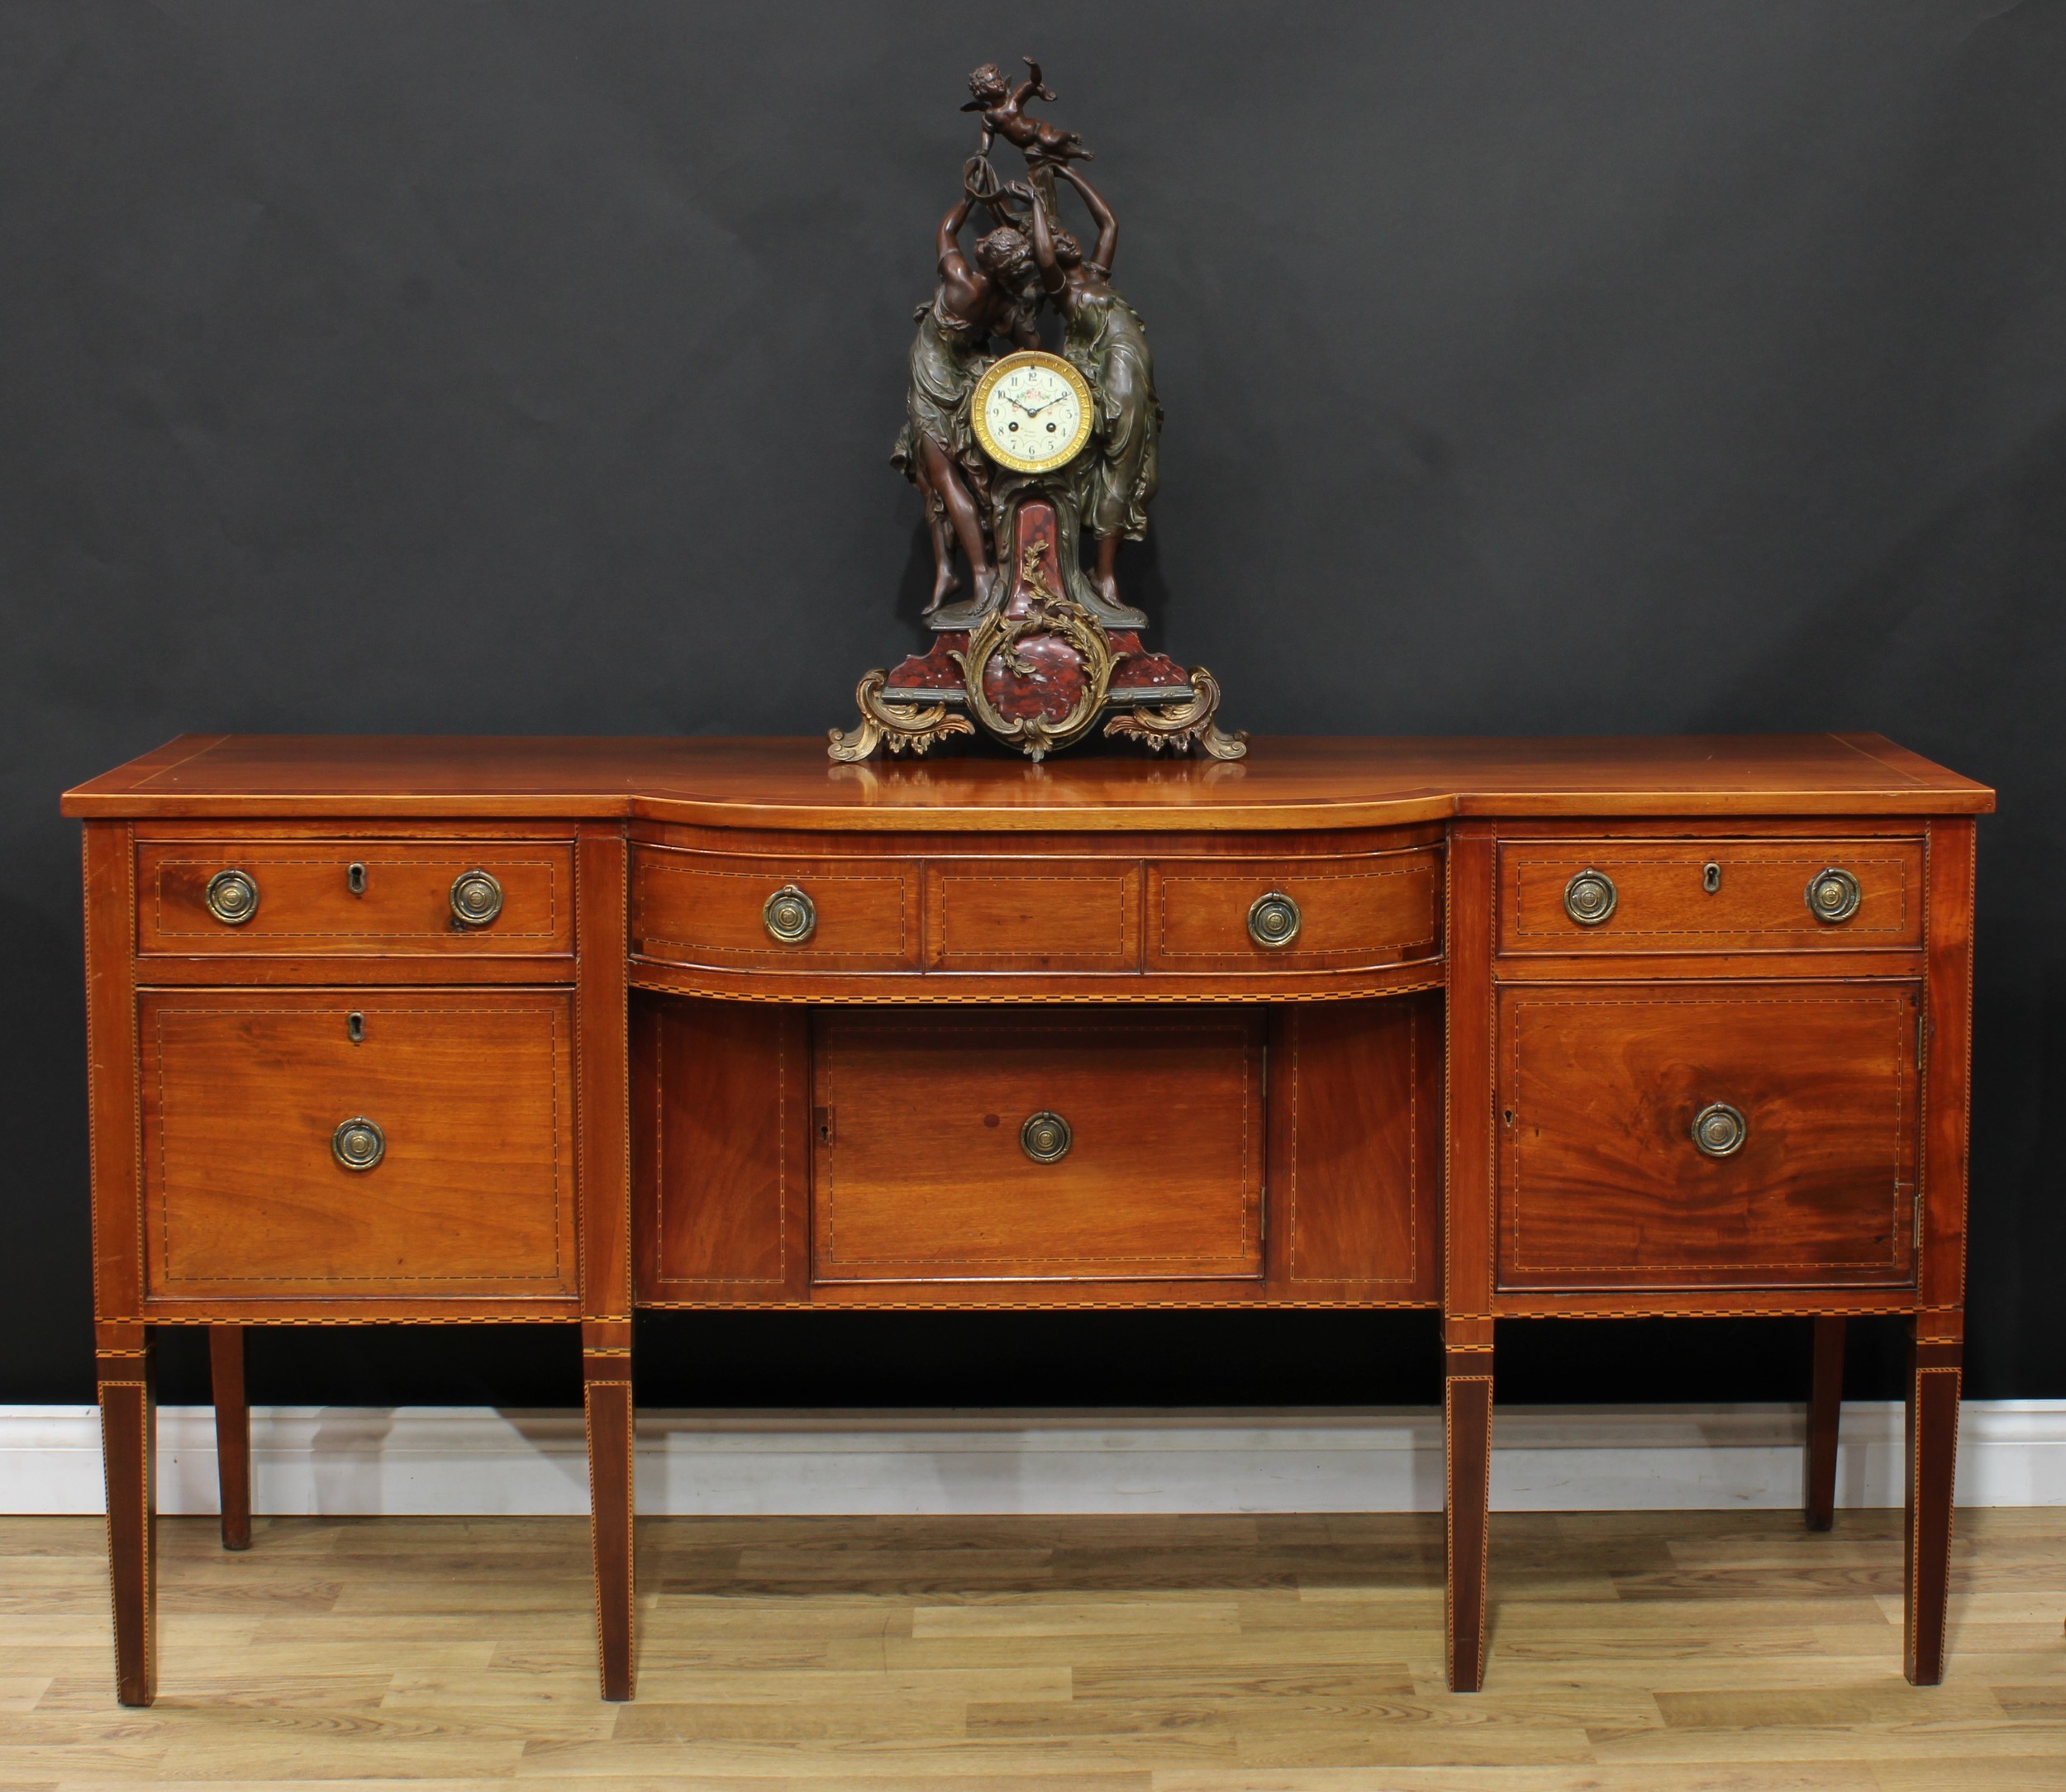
x: 453, y: 365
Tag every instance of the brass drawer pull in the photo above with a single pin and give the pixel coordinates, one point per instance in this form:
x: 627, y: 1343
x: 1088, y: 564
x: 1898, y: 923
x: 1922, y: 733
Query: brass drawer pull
x: 232, y: 897
x: 1046, y: 1137
x: 1589, y: 898
x: 790, y: 916
x: 1273, y: 920
x: 1719, y: 1130
x: 358, y: 1145
x: 1833, y: 894
x: 476, y: 898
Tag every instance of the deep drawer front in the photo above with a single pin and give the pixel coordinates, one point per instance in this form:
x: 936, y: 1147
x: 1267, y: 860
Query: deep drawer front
x: 1346, y: 913
x: 1806, y: 1094
x: 928, y: 1134
x: 256, y: 1182
x: 734, y: 912
x: 1033, y: 915
x: 383, y: 897
x: 1709, y: 895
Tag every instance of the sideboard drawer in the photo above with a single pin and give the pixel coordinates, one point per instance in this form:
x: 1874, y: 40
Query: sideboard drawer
x: 325, y: 897
x: 730, y: 911
x: 360, y: 1144
x: 1724, y: 1135
x: 1610, y: 895
x: 1294, y: 915
x: 1033, y: 915
x: 1037, y: 1144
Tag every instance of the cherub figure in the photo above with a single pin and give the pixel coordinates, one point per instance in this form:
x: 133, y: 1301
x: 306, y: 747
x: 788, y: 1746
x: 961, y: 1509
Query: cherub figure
x: 1004, y: 109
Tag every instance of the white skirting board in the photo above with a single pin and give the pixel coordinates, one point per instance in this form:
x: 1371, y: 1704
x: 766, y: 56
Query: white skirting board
x: 421, y: 1460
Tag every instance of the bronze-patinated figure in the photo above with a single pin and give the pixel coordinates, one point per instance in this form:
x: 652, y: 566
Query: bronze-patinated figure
x: 935, y: 449
x: 1104, y: 337
x: 1004, y: 115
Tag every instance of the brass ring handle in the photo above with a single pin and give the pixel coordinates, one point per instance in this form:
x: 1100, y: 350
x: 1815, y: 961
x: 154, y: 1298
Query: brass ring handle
x: 1590, y: 896
x: 1046, y: 1137
x: 358, y: 1145
x: 1719, y: 1130
x: 476, y: 898
x: 789, y: 916
x: 232, y: 897
x: 1273, y: 920
x: 1833, y: 894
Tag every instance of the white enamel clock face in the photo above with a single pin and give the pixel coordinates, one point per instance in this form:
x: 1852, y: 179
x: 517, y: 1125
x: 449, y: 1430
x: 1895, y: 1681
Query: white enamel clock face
x: 1032, y: 412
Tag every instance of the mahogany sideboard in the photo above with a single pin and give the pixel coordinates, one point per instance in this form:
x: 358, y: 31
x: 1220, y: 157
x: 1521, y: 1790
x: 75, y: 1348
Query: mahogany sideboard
x: 534, y: 1030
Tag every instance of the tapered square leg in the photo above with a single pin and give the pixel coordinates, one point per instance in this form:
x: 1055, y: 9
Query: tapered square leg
x: 607, y: 1395
x: 1467, y: 1442
x: 232, y: 1433
x: 129, y: 1461
x: 1934, y: 1378
x: 1825, y: 1404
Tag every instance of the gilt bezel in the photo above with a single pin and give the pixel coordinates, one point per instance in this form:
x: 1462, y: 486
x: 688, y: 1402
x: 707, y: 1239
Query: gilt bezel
x: 985, y: 385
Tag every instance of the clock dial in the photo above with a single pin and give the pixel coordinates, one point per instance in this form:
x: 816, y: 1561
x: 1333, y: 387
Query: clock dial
x: 1032, y: 412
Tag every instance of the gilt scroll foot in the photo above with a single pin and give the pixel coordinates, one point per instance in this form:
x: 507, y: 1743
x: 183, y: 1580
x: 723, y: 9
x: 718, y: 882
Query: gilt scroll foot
x: 901, y: 727
x: 1180, y: 726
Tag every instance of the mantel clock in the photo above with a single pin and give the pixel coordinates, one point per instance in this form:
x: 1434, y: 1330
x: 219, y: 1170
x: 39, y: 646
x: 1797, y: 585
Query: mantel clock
x: 1027, y: 459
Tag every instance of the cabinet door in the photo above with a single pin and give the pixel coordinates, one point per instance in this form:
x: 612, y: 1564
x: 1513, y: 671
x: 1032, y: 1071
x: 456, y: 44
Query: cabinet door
x: 1355, y: 1100
x: 1034, y: 1144
x: 362, y: 1144
x: 720, y: 1105
x: 1712, y: 1135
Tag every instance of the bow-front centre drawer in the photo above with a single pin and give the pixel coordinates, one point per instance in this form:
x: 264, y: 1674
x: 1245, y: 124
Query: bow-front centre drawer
x: 293, y: 898
x: 368, y: 1143
x: 733, y: 911
x: 1353, y: 912
x: 1032, y: 914
x: 1665, y: 1135
x: 1617, y: 895
x: 1037, y: 1144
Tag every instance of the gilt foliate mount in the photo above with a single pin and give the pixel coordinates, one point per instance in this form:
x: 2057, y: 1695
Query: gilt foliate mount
x: 1027, y: 459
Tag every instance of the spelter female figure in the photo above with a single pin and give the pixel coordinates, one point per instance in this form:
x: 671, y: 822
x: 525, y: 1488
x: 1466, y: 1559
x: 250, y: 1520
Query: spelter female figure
x: 1104, y: 336
x: 936, y: 449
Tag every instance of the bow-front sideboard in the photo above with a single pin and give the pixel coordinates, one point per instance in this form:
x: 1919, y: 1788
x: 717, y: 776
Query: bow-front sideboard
x: 535, y: 1030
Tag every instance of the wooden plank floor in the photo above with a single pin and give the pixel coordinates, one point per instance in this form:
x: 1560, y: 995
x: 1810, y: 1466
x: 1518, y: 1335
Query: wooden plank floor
x: 1631, y: 1652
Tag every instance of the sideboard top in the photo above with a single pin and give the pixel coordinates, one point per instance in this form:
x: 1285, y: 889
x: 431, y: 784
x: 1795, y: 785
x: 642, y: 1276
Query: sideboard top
x: 1288, y: 782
